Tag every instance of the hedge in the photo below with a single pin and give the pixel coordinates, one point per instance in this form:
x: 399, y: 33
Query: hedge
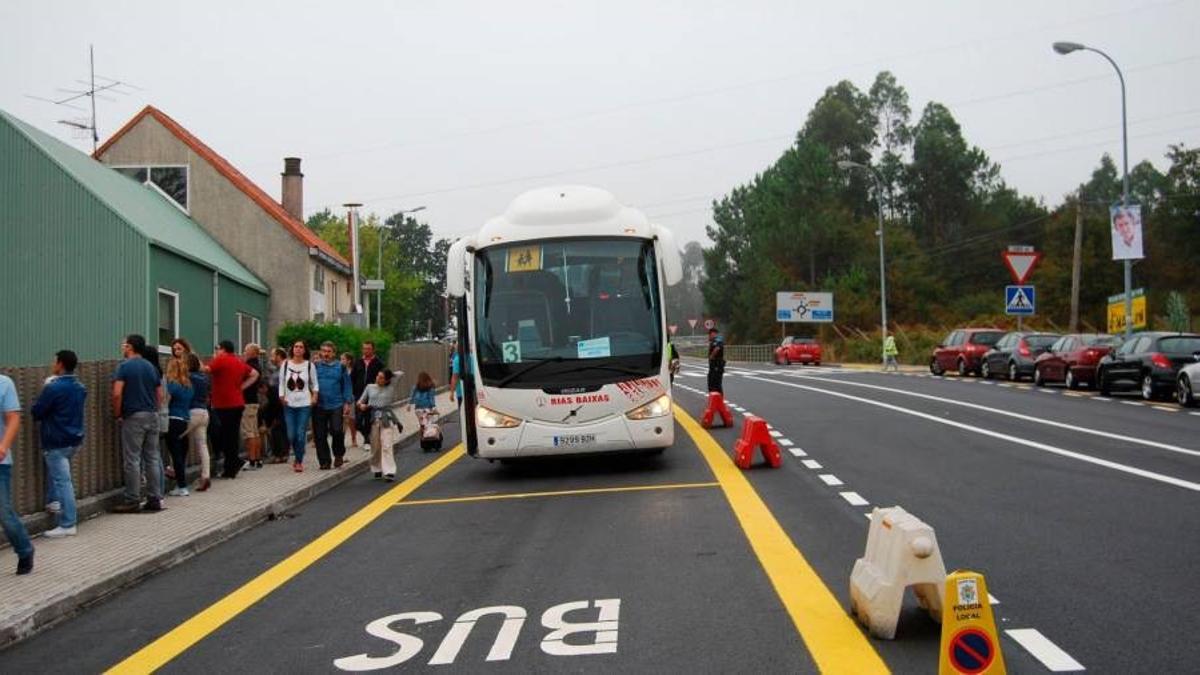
x: 347, y: 338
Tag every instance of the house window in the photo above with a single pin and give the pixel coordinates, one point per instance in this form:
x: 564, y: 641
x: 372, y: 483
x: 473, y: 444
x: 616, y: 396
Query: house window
x: 333, y: 309
x: 319, y: 279
x: 170, y: 180
x: 249, y: 330
x: 319, y: 317
x: 168, y: 318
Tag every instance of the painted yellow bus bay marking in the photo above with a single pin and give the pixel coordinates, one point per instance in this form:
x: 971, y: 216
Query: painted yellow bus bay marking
x: 160, y: 652
x: 555, y: 493
x: 832, y: 637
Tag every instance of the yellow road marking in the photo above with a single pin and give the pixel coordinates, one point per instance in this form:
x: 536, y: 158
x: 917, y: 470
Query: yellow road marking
x: 555, y: 493
x: 160, y: 652
x: 833, y: 639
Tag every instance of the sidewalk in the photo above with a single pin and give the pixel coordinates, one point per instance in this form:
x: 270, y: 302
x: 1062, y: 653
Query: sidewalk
x: 112, y: 551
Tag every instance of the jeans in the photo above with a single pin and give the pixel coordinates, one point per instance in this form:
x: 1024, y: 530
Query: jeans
x: 326, y: 423
x: 58, y: 477
x: 228, y: 438
x: 14, y: 529
x: 297, y: 429
x: 139, y: 450
x: 179, y: 448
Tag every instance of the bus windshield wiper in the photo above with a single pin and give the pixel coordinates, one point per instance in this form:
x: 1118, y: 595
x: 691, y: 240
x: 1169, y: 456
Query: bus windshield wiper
x: 529, y: 368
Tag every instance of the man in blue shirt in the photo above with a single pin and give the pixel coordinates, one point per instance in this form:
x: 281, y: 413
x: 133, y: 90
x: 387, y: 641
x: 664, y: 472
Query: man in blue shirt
x: 456, y: 377
x: 333, y: 404
x: 10, y: 422
x: 137, y: 393
x: 60, y: 411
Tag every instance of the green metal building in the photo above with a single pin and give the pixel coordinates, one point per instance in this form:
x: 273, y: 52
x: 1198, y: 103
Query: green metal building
x: 88, y: 256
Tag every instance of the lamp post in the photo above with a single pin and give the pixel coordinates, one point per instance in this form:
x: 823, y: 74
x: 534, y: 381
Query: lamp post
x: 379, y: 269
x: 1066, y: 48
x: 846, y: 165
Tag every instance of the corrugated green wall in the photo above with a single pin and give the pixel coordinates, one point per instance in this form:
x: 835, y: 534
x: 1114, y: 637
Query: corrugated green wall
x: 194, y: 284
x: 236, y: 298
x: 72, y: 274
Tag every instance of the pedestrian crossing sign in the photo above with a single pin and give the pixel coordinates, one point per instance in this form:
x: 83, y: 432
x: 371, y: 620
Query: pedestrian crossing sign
x: 1020, y: 300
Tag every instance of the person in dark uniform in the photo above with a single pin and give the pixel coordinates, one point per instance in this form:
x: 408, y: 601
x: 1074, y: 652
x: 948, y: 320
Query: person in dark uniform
x: 672, y: 361
x: 716, y: 360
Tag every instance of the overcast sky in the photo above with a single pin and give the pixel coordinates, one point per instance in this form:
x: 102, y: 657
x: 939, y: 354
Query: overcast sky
x: 459, y: 106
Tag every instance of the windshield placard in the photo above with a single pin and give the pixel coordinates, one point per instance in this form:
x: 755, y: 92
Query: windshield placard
x: 597, y: 348
x: 511, y: 351
x: 524, y: 259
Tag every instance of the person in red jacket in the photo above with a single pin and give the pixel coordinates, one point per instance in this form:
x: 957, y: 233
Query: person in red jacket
x: 230, y: 376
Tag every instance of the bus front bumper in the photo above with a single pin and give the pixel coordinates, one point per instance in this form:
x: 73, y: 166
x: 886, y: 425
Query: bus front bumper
x: 611, y: 434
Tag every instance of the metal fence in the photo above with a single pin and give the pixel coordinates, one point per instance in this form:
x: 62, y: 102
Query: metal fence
x: 739, y: 353
x: 96, y: 469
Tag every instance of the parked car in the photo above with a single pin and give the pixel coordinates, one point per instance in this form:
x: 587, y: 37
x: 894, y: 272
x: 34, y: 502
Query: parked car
x: 1014, y: 354
x: 1187, y: 382
x: 962, y: 350
x: 795, y: 349
x: 1150, y: 361
x: 1072, y: 359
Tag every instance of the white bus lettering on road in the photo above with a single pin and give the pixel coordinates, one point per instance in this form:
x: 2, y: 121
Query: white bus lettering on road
x: 604, y: 628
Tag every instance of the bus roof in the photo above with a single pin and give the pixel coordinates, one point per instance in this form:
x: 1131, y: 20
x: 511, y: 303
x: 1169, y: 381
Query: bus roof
x: 564, y: 211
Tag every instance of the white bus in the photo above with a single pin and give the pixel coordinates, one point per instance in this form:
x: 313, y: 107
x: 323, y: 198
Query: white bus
x: 562, y: 329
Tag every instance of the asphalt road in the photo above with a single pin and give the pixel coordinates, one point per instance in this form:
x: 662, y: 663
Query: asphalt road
x: 645, y: 564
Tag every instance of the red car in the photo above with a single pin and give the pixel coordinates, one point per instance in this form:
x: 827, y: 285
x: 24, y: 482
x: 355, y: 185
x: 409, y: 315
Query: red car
x: 963, y: 349
x: 1072, y: 359
x: 798, y: 350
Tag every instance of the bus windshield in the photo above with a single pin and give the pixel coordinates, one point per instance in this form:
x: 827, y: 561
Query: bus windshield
x: 567, y: 312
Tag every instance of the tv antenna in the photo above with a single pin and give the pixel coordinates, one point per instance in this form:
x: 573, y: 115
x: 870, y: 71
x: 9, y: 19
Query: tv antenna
x: 92, y: 92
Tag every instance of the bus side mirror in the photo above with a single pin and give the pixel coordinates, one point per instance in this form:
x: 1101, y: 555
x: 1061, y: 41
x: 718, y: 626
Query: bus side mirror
x: 668, y: 253
x: 457, y: 259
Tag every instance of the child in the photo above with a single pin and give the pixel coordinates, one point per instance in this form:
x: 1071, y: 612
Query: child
x: 348, y: 420
x: 424, y: 400
x: 377, y: 401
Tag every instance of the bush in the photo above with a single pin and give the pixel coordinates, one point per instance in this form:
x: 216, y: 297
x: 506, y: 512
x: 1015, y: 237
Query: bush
x: 347, y: 338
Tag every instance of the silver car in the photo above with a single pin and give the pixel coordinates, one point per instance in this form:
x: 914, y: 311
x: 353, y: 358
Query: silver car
x: 1188, y: 383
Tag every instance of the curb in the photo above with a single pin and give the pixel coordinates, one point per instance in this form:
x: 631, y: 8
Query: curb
x: 70, y: 603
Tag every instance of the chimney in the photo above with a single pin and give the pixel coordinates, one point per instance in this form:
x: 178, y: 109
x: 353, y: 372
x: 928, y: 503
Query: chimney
x: 293, y: 188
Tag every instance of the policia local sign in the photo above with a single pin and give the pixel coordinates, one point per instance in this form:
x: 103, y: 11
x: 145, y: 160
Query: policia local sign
x: 804, y: 307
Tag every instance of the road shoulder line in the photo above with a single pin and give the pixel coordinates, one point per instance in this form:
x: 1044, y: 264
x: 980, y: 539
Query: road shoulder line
x: 832, y: 637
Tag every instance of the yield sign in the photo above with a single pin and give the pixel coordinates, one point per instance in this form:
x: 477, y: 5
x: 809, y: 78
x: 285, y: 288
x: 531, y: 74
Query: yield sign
x: 1021, y: 264
x: 692, y: 323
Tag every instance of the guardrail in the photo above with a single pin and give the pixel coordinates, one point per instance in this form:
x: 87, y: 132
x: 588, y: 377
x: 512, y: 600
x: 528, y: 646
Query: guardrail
x: 740, y: 353
x: 97, y: 468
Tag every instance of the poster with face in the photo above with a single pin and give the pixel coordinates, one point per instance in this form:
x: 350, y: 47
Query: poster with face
x: 1126, y: 232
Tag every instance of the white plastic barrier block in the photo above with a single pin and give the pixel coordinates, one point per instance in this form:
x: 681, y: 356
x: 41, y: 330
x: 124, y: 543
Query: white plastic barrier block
x: 902, y: 551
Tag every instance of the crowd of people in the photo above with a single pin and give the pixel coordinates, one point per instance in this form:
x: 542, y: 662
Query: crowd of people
x: 212, y: 409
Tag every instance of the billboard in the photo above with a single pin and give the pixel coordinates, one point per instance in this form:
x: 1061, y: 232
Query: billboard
x: 803, y: 307
x: 1116, y: 312
x: 1126, y: 232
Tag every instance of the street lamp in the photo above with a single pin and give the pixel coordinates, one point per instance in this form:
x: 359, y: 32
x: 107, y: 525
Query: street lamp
x: 846, y: 165
x: 1067, y: 48
x: 379, y: 269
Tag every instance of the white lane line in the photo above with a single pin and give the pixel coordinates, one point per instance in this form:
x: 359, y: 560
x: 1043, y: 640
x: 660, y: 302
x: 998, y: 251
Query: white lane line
x: 830, y: 479
x: 1003, y: 384
x: 1116, y: 466
x: 1102, y: 399
x: 854, y: 498
x: 775, y: 434
x: 1016, y: 415
x: 1164, y: 408
x: 798, y: 452
x: 1197, y: 414
x: 1131, y: 403
x: 1051, y: 655
x: 992, y: 600
x: 811, y: 464
x: 1048, y: 391
x: 785, y: 442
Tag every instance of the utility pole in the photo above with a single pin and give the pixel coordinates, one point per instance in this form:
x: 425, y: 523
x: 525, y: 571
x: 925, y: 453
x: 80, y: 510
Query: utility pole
x: 1077, y: 263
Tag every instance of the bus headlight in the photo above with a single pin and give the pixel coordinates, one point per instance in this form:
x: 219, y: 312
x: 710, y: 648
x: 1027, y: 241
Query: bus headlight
x: 657, y: 408
x: 490, y: 419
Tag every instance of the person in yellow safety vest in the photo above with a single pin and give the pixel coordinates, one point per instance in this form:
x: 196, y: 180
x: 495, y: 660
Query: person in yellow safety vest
x: 889, y: 354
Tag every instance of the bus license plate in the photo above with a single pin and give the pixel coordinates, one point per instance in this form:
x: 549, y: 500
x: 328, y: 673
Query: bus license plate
x: 574, y: 440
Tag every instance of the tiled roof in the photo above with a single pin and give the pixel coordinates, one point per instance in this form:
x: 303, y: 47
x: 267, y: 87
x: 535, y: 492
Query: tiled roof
x: 145, y: 210
x: 237, y: 178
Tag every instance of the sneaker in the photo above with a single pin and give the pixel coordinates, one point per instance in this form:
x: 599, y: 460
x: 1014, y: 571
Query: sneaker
x: 127, y: 507
x: 389, y: 477
x: 179, y: 492
x: 54, y: 507
x: 25, y: 565
x: 298, y: 467
x: 378, y: 475
x: 59, y: 532
x: 153, y: 506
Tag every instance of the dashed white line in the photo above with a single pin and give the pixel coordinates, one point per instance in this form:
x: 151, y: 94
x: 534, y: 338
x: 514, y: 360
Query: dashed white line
x: 798, y: 452
x: 1051, y: 655
x: 1197, y: 414
x: 1164, y: 408
x: 1131, y: 403
x: 854, y: 498
x: 1048, y: 391
x: 785, y: 443
x: 992, y: 600
x: 830, y: 479
x: 1004, y: 384
x: 775, y: 434
x: 811, y: 464
x: 1101, y: 399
